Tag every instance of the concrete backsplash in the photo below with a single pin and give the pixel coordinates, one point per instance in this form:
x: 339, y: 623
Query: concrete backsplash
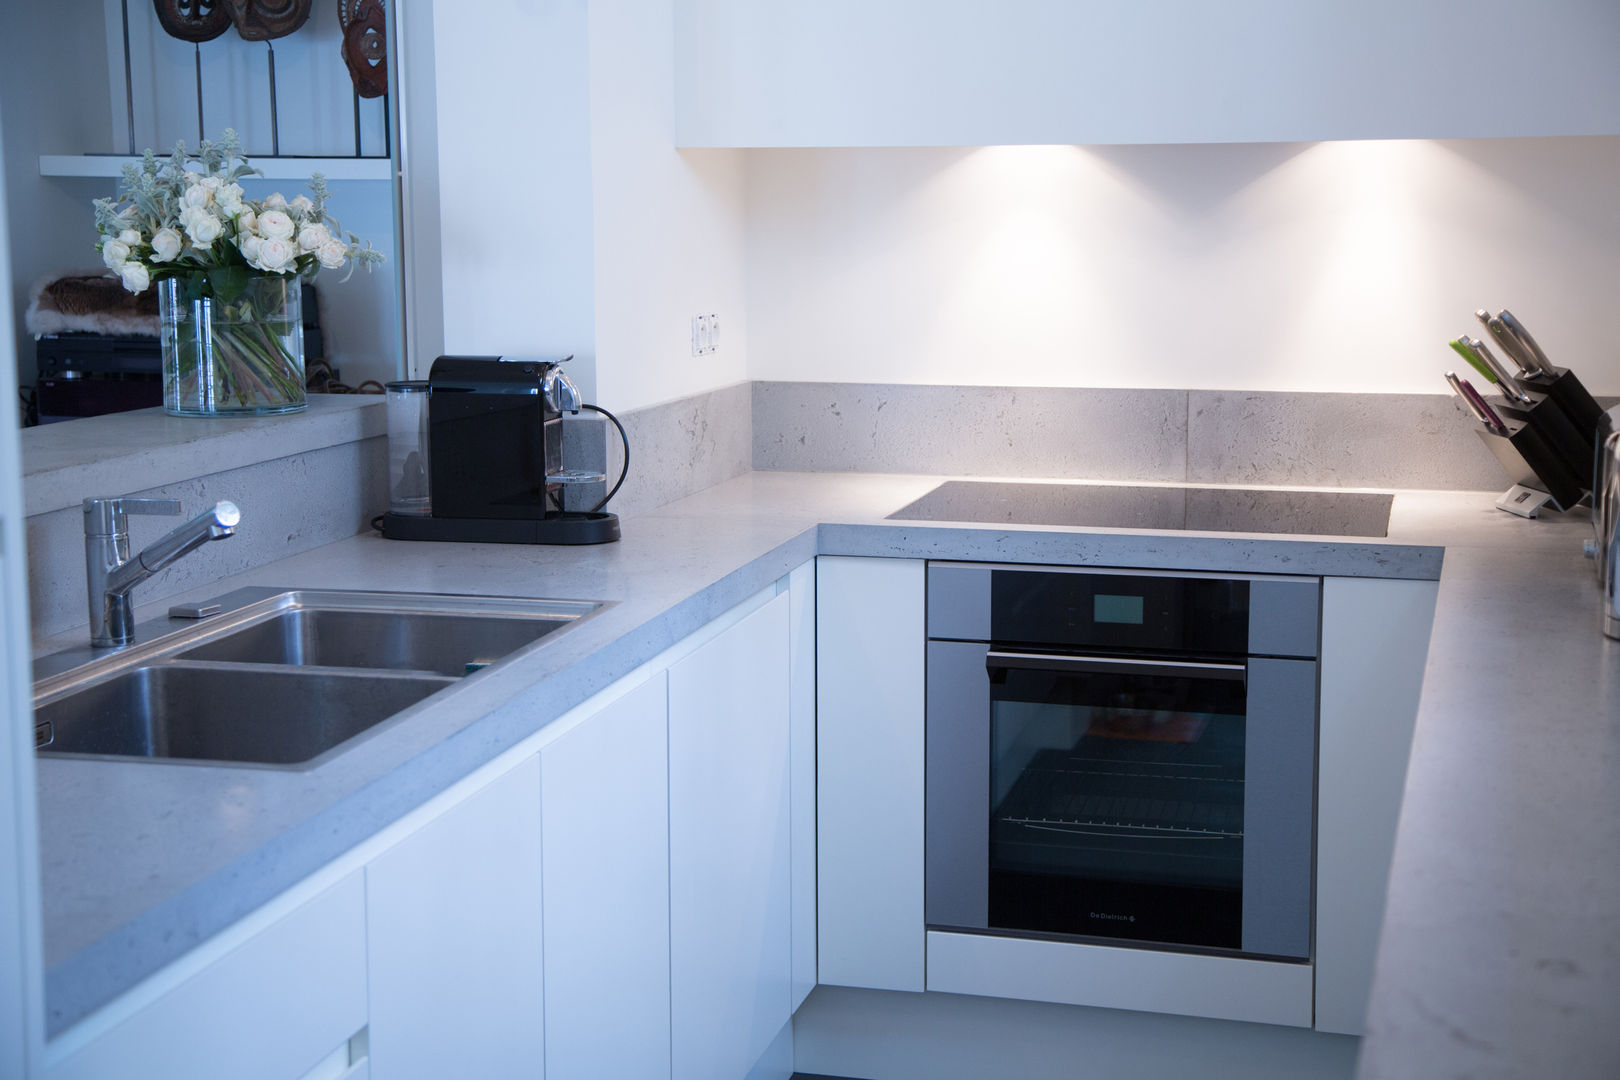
x: 682, y: 447
x: 289, y: 505
x: 297, y: 502
x: 1412, y: 441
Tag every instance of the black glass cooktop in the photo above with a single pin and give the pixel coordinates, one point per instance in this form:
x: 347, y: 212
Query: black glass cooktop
x: 1250, y: 510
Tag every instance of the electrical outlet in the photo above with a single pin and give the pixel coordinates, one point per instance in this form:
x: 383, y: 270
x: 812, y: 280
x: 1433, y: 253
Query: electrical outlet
x: 705, y: 334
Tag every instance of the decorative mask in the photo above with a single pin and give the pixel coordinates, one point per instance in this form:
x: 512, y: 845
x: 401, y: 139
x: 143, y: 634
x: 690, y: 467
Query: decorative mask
x: 365, y: 45
x: 193, y: 20
x: 262, y: 20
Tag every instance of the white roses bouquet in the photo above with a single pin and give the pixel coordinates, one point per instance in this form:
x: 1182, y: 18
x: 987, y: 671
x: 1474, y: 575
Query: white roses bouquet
x: 188, y: 215
x: 186, y: 225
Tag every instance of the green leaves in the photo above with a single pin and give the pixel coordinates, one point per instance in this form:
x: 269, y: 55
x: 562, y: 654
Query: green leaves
x: 228, y: 282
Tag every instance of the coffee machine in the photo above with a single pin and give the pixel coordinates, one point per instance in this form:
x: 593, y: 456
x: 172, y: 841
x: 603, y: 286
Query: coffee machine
x: 476, y: 455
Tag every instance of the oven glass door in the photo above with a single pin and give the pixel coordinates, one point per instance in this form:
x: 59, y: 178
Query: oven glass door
x: 1117, y: 798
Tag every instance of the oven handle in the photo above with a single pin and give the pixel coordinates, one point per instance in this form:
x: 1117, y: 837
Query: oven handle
x: 1114, y: 665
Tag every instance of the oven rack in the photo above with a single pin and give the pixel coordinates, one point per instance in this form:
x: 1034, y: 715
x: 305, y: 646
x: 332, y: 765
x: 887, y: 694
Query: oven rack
x: 1049, y: 799
x: 1129, y: 828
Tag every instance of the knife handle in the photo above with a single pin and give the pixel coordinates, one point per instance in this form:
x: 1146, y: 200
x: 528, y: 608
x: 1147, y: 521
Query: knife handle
x: 1476, y: 404
x: 1462, y: 347
x: 1505, y: 379
x: 1511, y: 345
x: 1522, y: 336
x: 1493, y: 421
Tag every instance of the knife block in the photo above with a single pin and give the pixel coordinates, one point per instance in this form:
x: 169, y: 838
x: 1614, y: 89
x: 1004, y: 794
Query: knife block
x: 1529, y: 461
x: 1567, y: 392
x: 1552, y: 423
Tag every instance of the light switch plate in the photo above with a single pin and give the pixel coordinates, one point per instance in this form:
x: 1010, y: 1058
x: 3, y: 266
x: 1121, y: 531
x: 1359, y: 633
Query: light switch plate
x: 705, y: 334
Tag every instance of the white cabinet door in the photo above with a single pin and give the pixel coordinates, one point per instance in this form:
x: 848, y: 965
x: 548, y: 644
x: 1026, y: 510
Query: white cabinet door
x: 1375, y: 642
x: 453, y: 921
x: 870, y: 648
x: 729, y: 836
x: 974, y: 73
x: 802, y: 773
x: 270, y: 1009
x: 605, y: 821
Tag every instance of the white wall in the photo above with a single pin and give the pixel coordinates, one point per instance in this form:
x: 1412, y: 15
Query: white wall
x: 514, y: 137
x: 669, y: 225
x: 568, y: 222
x: 1313, y: 267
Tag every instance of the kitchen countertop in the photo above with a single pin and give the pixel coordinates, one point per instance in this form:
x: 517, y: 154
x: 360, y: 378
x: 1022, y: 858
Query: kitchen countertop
x: 1500, y: 945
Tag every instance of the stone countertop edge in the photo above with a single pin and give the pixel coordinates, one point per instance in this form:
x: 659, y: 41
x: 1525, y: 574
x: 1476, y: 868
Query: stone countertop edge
x: 1160, y: 550
x: 1499, y: 950
x: 147, y: 448
x: 808, y: 516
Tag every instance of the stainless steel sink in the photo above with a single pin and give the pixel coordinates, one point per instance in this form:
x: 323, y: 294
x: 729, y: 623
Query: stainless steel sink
x: 279, y: 678
x: 404, y: 640
x: 264, y: 716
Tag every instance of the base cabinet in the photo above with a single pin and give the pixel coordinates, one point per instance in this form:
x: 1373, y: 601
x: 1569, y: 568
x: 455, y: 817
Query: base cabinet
x: 612, y: 898
x: 869, y: 772
x: 271, y: 1009
x: 453, y: 918
x: 731, y: 963
x: 604, y: 794
x: 1375, y: 643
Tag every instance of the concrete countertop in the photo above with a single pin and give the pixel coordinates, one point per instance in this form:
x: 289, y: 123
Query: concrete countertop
x: 1503, y: 928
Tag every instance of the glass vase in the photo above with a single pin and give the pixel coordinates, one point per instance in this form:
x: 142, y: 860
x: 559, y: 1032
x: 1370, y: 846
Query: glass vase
x: 232, y: 351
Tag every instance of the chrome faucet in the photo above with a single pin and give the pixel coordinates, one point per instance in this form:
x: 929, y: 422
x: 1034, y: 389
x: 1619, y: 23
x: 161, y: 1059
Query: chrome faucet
x: 110, y: 573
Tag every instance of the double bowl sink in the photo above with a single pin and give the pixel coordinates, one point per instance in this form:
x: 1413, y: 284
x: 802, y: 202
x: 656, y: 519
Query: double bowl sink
x: 279, y: 678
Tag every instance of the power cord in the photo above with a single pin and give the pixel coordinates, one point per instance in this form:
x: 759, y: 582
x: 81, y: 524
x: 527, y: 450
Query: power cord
x: 624, y: 469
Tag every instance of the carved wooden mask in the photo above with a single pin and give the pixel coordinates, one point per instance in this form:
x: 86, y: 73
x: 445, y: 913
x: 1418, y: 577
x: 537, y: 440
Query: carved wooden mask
x: 193, y: 20
x: 262, y: 20
x: 365, y: 45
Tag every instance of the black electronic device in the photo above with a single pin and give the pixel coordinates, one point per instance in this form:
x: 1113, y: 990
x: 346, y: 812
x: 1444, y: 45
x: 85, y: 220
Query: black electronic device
x: 486, y: 433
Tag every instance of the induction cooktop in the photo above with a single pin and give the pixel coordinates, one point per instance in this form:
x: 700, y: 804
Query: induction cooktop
x: 1249, y: 510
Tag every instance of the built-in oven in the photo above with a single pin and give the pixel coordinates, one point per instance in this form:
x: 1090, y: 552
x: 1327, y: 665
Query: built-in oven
x: 1122, y: 757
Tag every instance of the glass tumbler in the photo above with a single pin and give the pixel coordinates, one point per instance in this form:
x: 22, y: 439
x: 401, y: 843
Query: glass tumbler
x: 409, y: 489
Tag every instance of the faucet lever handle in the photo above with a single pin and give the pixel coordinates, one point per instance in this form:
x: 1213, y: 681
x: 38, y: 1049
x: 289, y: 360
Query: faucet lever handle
x: 105, y: 516
x: 170, y: 507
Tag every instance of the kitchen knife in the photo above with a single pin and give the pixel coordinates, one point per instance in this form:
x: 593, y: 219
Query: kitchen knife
x: 1520, y: 334
x: 1492, y: 420
x: 1507, y: 381
x: 1490, y: 368
x: 1456, y: 384
x: 1509, y: 344
x: 1463, y: 348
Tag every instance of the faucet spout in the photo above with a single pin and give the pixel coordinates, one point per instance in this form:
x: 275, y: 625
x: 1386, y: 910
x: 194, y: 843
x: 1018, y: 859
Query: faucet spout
x: 215, y: 524
x: 110, y: 571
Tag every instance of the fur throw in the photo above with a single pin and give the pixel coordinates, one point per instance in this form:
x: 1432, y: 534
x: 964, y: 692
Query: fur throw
x: 93, y: 301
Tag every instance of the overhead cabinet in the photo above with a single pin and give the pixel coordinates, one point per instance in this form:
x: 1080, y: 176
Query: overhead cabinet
x: 974, y: 73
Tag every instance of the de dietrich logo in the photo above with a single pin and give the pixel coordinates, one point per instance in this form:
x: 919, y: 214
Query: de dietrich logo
x: 1114, y: 918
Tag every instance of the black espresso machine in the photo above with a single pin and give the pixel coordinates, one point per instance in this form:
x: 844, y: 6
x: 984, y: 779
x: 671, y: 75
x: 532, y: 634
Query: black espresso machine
x: 476, y: 455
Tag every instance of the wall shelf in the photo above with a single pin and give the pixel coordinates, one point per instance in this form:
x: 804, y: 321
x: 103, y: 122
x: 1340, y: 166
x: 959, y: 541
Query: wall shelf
x: 274, y: 168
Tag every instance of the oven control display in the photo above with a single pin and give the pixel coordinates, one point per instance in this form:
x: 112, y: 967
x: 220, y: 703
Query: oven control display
x: 1123, y: 610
